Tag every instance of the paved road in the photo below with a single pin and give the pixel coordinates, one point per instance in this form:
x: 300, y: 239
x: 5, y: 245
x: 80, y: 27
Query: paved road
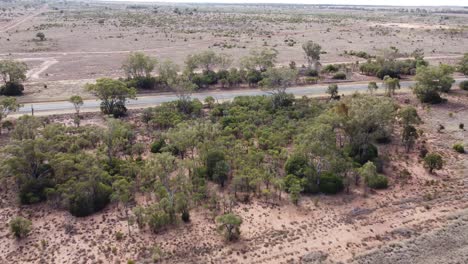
x: 146, y: 101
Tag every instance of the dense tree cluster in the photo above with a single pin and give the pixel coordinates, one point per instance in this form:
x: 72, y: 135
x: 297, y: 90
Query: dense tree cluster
x: 381, y: 67
x: 250, y: 146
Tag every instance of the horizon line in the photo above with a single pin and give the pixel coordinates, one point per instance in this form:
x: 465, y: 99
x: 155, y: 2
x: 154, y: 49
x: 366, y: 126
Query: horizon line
x: 271, y: 3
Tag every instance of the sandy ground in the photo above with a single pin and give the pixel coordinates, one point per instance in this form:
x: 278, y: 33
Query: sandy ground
x: 417, y: 212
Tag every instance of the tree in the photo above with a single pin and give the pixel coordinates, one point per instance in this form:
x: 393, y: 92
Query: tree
x: 159, y: 167
x: 207, y: 61
x: 183, y: 89
x: 277, y: 80
x: 13, y: 71
x: 408, y: 118
x: 28, y: 162
x: 430, y: 81
x: 40, y: 36
x: 295, y: 190
x: 366, y: 118
x: 210, y: 101
x: 433, y: 161
x: 122, y: 192
x: 332, y: 90
x: 81, y: 184
x: 113, y: 94
x: 77, y: 102
x: 372, y: 87
x: 20, y: 226
x: 117, y: 138
x: 463, y: 65
x: 229, y: 224
x: 7, y: 105
x: 138, y: 65
x: 391, y: 84
x: 168, y: 71
x: 312, y: 52
x: 260, y: 59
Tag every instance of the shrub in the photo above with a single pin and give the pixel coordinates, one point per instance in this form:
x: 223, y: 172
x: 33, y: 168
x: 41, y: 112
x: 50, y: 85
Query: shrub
x: 213, y: 157
x: 296, y: 165
x: 385, y: 71
x: 32, y: 190
x: 12, y: 89
x: 311, y: 73
x: 330, y: 183
x: 362, y: 154
x: 330, y: 68
x: 339, y: 76
x: 229, y: 224
x: 158, y: 219
x: 459, y: 148
x: 371, y: 177
x: 20, y: 226
x: 433, y: 161
x: 143, y: 83
x: 119, y: 235
x: 157, y: 146
x: 311, y: 80
x: 379, y: 181
x: 88, y: 199
x: 464, y: 85
x: 427, y: 96
x: 185, y: 216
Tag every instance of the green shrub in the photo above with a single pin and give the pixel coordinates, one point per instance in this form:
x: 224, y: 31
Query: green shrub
x: 311, y: 80
x: 119, y: 235
x: 311, y: 73
x: 464, y: 85
x: 12, y: 89
x: 433, y: 161
x: 330, y: 68
x: 31, y: 191
x: 144, y: 83
x: 362, y: 154
x: 88, y: 199
x: 157, y: 146
x: 377, y: 182
x: 20, y: 227
x: 339, y: 76
x: 330, y: 183
x: 459, y: 148
x: 296, y: 165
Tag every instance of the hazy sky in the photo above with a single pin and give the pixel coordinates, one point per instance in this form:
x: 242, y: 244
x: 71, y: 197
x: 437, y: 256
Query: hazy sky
x: 347, y: 2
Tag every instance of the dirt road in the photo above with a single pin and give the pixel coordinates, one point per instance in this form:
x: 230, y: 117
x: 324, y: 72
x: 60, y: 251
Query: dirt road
x: 21, y: 20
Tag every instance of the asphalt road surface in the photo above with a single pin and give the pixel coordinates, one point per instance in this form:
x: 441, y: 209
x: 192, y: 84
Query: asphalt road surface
x: 62, y: 107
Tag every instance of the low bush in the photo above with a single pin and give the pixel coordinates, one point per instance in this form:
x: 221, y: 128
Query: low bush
x: 311, y: 73
x: 459, y: 148
x: 377, y: 182
x: 157, y: 146
x: 20, y: 226
x: 12, y: 89
x: 464, y: 85
x: 330, y: 68
x: 339, y: 76
x: 362, y: 154
x: 330, y: 183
